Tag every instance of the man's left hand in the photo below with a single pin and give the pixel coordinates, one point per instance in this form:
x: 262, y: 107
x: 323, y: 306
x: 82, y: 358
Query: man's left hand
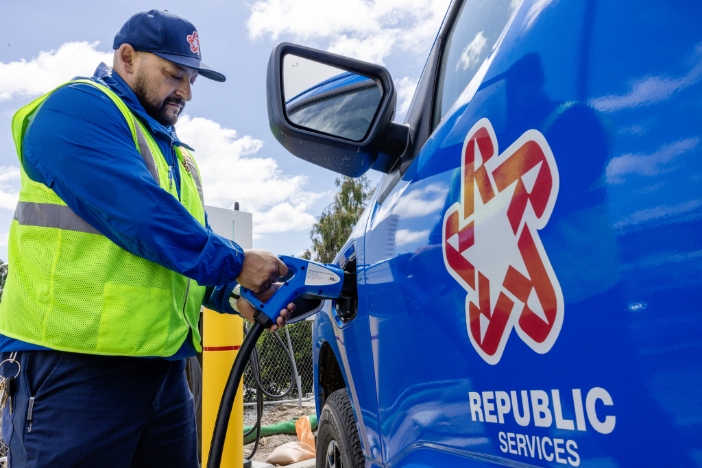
x: 248, y: 311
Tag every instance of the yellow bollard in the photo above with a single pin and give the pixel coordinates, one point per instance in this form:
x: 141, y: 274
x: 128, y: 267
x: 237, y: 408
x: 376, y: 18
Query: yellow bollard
x: 222, y: 337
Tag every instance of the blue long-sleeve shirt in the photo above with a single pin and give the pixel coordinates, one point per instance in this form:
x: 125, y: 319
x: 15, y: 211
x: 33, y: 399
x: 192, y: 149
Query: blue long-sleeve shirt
x: 80, y: 146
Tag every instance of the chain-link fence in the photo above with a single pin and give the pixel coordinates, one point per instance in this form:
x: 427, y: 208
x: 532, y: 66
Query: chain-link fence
x: 275, y: 367
x: 3, y: 454
x: 3, y: 450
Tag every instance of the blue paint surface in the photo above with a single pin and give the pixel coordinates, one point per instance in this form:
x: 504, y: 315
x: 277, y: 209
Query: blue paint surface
x: 615, y: 89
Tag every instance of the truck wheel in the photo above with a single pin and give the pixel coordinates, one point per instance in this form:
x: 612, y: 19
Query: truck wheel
x: 338, y: 445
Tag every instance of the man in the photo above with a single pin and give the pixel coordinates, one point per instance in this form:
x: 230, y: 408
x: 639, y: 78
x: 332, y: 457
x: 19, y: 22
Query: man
x: 111, y: 258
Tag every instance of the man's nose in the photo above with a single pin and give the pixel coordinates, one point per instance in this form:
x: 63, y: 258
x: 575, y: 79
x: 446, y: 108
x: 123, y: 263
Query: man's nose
x: 184, y: 90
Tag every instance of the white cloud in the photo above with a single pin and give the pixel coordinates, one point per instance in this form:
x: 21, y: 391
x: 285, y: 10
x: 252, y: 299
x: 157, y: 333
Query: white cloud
x: 650, y: 90
x: 405, y: 236
x: 9, y: 173
x: 285, y: 217
x: 300, y: 253
x: 9, y: 187
x: 658, y: 213
x: 647, y: 164
x: 405, y: 88
x: 371, y: 49
x: 668, y: 257
x: 4, y: 237
x: 365, y: 29
x: 471, y: 54
x: 49, y: 69
x: 421, y: 202
x: 231, y: 172
x: 534, y: 12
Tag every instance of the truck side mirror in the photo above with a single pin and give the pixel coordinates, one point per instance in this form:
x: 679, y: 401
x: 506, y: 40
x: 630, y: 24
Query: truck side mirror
x: 333, y: 111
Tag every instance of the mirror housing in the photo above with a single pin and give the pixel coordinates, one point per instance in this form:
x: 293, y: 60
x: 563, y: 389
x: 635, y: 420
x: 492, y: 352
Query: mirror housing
x: 350, y: 158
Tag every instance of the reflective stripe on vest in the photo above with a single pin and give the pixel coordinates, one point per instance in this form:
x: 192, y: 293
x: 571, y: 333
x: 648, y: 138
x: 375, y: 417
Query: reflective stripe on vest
x: 146, y: 153
x: 194, y: 171
x: 52, y: 216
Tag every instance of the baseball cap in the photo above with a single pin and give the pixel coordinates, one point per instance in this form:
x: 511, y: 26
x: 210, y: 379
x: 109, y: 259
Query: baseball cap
x: 167, y: 35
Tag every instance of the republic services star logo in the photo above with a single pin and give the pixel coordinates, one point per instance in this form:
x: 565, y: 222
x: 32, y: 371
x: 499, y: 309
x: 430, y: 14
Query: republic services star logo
x: 491, y: 243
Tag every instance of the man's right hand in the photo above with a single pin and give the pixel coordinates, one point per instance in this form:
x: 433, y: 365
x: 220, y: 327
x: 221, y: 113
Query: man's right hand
x: 261, y: 269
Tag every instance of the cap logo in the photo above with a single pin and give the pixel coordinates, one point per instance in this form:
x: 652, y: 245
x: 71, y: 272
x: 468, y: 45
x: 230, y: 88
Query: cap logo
x: 194, y: 41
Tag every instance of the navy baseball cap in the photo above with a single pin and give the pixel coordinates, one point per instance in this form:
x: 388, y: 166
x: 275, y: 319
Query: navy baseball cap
x: 169, y: 36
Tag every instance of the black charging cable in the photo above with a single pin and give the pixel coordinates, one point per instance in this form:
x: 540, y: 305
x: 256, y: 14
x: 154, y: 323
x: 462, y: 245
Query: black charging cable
x: 225, y: 406
x: 254, y: 362
x: 257, y: 427
x: 246, y: 352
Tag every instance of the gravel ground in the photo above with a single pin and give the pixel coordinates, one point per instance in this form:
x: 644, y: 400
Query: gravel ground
x: 273, y: 414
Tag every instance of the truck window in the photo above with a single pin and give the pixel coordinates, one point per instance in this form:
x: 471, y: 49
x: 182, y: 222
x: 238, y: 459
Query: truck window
x: 474, y: 33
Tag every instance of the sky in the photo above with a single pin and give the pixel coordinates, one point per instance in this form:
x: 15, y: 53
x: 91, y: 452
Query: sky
x: 46, y: 43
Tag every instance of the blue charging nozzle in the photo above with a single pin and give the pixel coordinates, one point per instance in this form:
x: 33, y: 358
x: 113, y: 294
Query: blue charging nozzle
x: 306, y: 283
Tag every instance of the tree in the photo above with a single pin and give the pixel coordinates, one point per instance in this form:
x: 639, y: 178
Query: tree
x: 337, y: 221
x: 3, y: 276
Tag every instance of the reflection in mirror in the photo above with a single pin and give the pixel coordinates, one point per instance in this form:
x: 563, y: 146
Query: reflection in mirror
x: 330, y: 100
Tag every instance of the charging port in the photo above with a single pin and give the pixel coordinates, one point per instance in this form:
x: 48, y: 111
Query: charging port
x: 347, y: 303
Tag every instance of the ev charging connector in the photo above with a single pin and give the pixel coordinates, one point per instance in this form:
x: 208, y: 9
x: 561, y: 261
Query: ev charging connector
x: 307, y: 284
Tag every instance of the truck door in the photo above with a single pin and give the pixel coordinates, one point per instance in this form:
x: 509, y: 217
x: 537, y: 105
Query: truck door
x: 529, y: 274
x: 423, y: 356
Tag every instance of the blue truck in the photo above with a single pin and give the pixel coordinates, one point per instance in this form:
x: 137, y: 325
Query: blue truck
x: 529, y: 268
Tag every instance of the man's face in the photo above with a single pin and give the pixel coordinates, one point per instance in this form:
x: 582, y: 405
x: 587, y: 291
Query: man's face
x: 163, y: 87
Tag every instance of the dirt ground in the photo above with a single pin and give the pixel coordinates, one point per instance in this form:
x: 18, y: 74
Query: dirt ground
x: 273, y: 414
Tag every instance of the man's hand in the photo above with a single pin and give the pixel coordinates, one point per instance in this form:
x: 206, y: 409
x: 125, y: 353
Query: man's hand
x: 247, y: 310
x: 261, y: 269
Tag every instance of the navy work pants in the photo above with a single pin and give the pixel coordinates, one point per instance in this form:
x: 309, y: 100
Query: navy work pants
x: 99, y: 411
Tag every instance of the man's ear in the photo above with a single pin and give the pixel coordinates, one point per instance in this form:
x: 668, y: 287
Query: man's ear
x: 125, y: 59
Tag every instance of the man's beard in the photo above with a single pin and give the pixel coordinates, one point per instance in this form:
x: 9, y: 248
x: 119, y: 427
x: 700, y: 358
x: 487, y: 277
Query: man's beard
x: 157, y: 110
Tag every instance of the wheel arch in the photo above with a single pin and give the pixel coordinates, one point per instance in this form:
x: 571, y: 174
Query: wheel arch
x: 329, y: 374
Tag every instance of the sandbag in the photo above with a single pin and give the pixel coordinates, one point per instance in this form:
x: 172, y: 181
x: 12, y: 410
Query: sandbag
x: 290, y: 452
x: 294, y: 452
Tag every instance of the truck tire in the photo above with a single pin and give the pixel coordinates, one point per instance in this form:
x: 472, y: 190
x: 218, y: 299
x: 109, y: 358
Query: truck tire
x: 338, y: 445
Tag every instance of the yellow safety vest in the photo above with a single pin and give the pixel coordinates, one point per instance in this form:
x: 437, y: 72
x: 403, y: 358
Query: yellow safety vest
x: 70, y: 288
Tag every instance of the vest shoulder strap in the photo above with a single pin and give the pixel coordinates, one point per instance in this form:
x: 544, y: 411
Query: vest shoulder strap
x: 126, y: 113
x: 21, y: 119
